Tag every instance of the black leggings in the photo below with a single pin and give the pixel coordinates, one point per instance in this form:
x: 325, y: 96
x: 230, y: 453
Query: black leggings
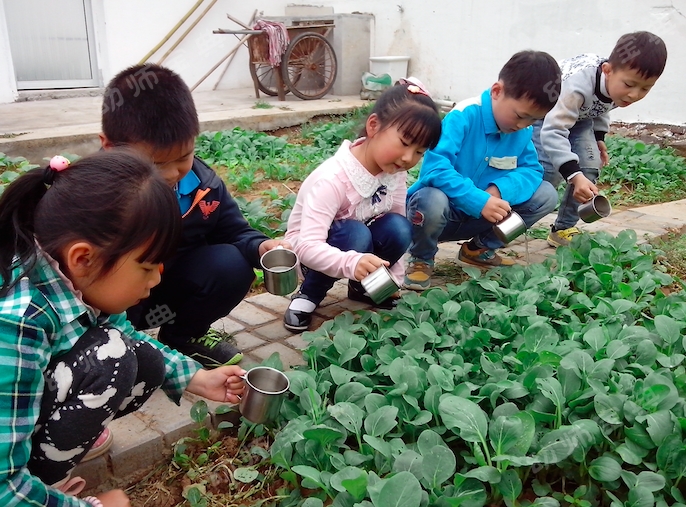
x: 96, y: 381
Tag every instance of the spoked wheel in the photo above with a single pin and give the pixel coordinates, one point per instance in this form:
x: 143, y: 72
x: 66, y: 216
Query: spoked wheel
x: 309, y: 66
x: 265, y: 77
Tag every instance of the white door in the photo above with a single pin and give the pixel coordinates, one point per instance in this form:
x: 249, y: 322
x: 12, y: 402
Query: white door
x: 52, y: 43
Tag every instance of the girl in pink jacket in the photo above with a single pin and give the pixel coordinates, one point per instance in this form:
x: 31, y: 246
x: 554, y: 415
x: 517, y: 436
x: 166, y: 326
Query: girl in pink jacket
x: 349, y: 216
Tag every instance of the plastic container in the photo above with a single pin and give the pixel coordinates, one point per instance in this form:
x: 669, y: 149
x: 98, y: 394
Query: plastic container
x: 395, y: 66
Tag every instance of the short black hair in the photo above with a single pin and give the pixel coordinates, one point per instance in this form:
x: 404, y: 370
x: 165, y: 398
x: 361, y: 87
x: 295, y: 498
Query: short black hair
x: 644, y: 52
x: 151, y: 104
x: 533, y: 75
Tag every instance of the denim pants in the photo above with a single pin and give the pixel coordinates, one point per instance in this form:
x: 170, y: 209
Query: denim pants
x: 434, y: 220
x: 104, y: 376
x: 584, y: 145
x: 387, y: 236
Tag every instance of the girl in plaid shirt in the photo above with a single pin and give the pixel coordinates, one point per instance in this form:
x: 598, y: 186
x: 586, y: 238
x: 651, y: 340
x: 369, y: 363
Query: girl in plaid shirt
x: 79, y: 245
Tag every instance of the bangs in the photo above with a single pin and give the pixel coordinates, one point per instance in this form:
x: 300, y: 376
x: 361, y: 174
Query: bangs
x: 419, y: 125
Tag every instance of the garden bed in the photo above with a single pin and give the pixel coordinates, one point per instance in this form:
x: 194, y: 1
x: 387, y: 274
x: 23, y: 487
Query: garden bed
x: 561, y: 383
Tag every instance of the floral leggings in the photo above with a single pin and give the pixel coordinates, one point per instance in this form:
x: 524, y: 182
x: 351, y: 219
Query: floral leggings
x: 104, y: 376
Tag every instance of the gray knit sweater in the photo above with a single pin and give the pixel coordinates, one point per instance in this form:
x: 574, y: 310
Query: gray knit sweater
x: 583, y: 96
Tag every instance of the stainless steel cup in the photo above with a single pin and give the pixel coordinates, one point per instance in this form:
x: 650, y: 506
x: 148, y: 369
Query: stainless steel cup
x: 379, y: 285
x: 264, y: 388
x: 509, y: 227
x: 595, y: 209
x: 280, y: 270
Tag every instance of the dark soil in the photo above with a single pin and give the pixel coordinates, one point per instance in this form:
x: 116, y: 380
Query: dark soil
x: 164, y: 485
x: 673, y: 136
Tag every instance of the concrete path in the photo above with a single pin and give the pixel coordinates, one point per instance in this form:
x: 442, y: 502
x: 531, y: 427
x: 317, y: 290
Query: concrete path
x: 43, y: 128
x: 33, y: 129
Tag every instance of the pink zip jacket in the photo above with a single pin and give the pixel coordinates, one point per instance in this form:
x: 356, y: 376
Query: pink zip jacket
x: 341, y: 188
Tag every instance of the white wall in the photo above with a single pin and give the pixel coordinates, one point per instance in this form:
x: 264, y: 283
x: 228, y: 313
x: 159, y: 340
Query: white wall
x: 457, y: 47
x: 8, y: 83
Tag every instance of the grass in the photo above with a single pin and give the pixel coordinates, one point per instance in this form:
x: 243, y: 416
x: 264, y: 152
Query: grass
x: 451, y: 272
x: 673, y: 247
x: 261, y: 104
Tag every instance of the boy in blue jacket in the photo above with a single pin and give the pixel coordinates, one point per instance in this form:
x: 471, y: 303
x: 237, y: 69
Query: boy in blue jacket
x: 149, y: 109
x: 484, y: 166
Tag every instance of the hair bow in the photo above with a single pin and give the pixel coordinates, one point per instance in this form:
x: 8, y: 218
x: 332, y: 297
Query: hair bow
x: 414, y: 85
x: 376, y: 198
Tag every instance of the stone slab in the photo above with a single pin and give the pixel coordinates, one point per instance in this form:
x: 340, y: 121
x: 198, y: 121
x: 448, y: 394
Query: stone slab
x: 330, y: 311
x: 289, y: 357
x: 135, y: 446
x: 228, y: 325
x: 276, y: 304
x: 675, y: 210
x: 273, y: 331
x: 94, y: 472
x: 164, y: 416
x: 251, y: 314
x: 247, y: 341
x: 297, y: 342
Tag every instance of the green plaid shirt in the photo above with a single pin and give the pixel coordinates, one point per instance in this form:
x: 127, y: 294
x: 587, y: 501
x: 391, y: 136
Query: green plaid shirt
x: 41, y: 318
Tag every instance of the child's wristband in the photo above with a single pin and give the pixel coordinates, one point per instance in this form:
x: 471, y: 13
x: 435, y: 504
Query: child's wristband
x: 95, y: 502
x: 571, y: 176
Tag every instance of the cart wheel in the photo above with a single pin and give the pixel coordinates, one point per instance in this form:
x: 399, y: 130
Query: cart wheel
x: 265, y: 77
x: 311, y: 66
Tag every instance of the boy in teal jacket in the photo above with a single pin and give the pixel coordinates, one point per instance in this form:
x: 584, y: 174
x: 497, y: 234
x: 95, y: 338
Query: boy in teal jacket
x: 484, y: 166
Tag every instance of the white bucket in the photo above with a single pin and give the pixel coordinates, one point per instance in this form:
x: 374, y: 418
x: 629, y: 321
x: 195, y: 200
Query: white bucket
x: 395, y: 66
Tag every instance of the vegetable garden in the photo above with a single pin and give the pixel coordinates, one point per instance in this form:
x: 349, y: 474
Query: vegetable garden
x: 562, y: 383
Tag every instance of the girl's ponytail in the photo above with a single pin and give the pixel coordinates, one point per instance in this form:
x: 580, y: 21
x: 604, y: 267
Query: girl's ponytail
x: 114, y: 200
x: 18, y: 205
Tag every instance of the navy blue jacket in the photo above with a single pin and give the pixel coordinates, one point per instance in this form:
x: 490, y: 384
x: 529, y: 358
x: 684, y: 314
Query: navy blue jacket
x: 214, y: 218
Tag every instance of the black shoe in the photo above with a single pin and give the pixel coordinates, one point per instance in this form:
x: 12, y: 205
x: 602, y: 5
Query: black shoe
x: 297, y: 321
x: 211, y: 351
x: 358, y: 295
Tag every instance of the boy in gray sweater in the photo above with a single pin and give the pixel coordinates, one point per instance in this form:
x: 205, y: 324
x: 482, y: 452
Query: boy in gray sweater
x: 570, y: 139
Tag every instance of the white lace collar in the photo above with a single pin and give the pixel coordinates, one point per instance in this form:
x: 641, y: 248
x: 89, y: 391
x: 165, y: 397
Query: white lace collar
x: 364, y: 183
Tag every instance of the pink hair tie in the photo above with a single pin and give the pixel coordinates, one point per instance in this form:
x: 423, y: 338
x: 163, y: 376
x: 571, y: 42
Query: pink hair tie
x: 59, y: 163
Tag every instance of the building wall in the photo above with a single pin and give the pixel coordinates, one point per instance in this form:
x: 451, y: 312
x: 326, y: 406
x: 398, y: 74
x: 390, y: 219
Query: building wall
x: 456, y: 48
x: 8, y: 85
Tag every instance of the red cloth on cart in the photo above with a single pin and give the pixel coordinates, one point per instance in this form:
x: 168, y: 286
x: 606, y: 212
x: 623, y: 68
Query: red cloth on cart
x: 278, y: 39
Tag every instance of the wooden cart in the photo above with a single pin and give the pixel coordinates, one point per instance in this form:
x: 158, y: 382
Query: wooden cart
x: 308, y: 67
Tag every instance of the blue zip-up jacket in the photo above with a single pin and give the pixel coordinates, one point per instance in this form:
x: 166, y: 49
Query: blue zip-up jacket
x: 473, y: 154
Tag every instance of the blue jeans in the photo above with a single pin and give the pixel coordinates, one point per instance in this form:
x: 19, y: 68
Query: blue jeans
x: 433, y: 220
x: 387, y: 237
x: 584, y: 145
